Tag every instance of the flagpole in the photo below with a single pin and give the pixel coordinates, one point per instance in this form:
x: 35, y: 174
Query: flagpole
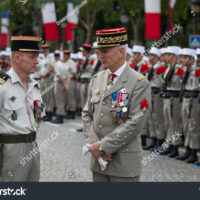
x: 169, y: 42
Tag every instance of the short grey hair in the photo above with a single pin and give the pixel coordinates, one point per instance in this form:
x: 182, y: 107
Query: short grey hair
x: 125, y: 47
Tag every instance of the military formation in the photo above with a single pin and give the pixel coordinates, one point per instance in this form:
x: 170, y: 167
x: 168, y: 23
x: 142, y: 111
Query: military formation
x: 174, y: 75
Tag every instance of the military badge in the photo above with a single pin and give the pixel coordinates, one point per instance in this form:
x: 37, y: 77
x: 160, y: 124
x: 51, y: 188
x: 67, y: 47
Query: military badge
x: 144, y: 105
x: 38, y: 109
x: 119, y: 108
x: 13, y: 98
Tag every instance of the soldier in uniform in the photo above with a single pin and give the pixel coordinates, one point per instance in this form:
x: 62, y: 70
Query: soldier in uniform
x: 116, y: 111
x: 71, y: 93
x: 20, y: 113
x: 140, y: 65
x: 96, y: 63
x: 172, y: 107
x: 4, y: 63
x: 86, y: 72
x: 198, y: 57
x: 190, y: 107
x: 61, y: 80
x: 156, y: 118
x: 85, y: 75
x: 47, y: 87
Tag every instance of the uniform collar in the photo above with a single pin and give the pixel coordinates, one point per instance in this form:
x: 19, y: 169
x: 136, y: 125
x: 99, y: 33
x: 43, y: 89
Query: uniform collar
x: 15, y: 78
x: 119, y: 71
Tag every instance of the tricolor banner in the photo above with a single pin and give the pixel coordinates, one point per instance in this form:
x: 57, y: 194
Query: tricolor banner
x: 49, y: 21
x: 4, y: 29
x: 72, y: 20
x: 153, y: 19
x: 171, y: 6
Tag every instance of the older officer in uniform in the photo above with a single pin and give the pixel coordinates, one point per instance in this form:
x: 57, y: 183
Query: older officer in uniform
x: 190, y: 107
x: 116, y: 111
x: 20, y: 112
x: 47, y: 75
x: 71, y: 93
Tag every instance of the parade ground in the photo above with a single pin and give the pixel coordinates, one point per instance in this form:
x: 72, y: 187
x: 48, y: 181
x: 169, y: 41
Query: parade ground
x: 62, y: 159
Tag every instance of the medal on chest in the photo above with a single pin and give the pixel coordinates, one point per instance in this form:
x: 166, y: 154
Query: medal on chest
x: 119, y: 107
x: 38, y: 109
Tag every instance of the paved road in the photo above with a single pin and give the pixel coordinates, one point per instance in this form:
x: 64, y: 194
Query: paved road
x: 62, y: 159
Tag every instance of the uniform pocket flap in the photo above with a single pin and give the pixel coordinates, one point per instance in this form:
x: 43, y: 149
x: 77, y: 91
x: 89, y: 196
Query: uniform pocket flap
x: 9, y: 105
x: 95, y: 99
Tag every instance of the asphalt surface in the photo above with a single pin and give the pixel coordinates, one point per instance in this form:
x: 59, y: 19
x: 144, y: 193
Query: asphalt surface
x: 62, y: 159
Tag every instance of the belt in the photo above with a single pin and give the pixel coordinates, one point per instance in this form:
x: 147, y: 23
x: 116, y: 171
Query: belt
x: 155, y: 90
x: 23, y: 138
x: 171, y: 93
x: 85, y: 80
x: 190, y: 94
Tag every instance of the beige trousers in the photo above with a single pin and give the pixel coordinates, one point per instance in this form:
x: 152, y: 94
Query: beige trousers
x: 104, y: 178
x: 20, y: 162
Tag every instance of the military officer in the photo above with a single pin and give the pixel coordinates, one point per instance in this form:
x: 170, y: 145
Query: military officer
x: 172, y: 107
x: 190, y: 107
x: 156, y: 118
x: 47, y: 75
x: 116, y: 111
x: 20, y: 113
x: 71, y: 93
x: 61, y: 82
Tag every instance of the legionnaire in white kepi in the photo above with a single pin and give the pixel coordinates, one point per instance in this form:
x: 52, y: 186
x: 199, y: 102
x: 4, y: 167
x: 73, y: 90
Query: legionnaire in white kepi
x: 21, y: 110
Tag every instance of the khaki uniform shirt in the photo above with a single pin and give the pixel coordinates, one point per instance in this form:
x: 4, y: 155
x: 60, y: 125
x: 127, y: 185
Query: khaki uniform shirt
x: 13, y: 98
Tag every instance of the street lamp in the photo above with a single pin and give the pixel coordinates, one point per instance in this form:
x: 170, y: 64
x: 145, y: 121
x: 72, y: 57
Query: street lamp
x: 195, y: 5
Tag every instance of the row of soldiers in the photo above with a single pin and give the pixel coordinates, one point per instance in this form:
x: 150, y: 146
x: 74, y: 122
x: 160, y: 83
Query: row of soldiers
x: 174, y: 75
x: 64, y: 79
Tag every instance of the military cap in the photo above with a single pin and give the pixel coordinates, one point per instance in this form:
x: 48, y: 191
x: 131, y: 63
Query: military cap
x: 25, y: 43
x: 111, y: 37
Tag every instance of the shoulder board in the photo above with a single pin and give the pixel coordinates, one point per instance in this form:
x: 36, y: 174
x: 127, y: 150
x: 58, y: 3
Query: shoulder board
x: 38, y: 85
x: 141, y: 78
x: 3, y: 78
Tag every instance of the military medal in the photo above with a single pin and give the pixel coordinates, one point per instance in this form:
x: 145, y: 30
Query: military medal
x: 14, y: 116
x: 38, y: 109
x: 119, y: 107
x: 97, y: 91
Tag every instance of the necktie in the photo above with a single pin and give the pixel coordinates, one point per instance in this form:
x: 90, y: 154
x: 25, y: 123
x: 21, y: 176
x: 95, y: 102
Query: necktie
x: 112, y: 76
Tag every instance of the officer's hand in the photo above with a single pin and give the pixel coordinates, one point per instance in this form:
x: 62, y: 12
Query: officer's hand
x: 95, y: 150
x: 106, y: 157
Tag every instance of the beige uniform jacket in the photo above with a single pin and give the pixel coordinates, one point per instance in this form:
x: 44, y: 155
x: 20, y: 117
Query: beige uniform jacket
x: 122, y: 141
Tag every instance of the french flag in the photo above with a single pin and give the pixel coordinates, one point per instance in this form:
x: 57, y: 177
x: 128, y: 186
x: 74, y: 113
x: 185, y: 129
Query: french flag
x: 4, y: 29
x: 171, y: 6
x: 153, y: 19
x: 49, y: 21
x: 72, y: 20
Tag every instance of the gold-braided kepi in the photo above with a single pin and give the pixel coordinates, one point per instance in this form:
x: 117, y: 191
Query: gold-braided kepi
x: 25, y: 43
x: 112, y: 37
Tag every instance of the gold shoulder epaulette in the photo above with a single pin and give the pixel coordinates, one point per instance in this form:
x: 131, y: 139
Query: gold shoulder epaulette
x: 38, y: 85
x: 141, y: 78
